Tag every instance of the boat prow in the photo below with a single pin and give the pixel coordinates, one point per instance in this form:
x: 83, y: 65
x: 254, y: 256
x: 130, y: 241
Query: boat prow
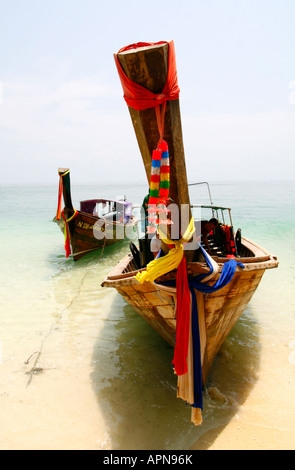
x: 218, y: 311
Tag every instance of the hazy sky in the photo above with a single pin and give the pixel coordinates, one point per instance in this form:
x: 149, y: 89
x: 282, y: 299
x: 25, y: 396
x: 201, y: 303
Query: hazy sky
x: 61, y: 101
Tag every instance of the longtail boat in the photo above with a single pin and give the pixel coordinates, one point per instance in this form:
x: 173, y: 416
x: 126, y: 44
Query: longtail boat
x: 97, y: 223
x: 195, y: 292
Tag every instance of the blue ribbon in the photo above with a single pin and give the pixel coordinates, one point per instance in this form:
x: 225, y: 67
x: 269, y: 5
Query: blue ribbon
x: 228, y: 270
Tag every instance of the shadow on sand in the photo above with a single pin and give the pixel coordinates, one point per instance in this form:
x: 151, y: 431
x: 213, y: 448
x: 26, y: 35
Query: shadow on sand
x: 135, y: 385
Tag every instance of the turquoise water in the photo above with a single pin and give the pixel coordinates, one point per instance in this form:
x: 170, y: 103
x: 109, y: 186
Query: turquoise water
x: 79, y: 369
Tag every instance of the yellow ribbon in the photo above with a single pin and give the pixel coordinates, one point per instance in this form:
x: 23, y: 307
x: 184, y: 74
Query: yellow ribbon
x: 66, y: 230
x: 71, y: 218
x: 159, y: 267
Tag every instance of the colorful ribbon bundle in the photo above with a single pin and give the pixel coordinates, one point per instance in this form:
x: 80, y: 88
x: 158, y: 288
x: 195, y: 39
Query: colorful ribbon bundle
x: 187, y: 353
x: 60, y: 191
x: 169, y: 262
x: 159, y: 187
x: 67, y: 232
x: 140, y: 98
x: 60, y: 213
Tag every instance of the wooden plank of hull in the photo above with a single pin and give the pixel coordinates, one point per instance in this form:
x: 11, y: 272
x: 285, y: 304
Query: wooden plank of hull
x: 224, y: 308
x: 156, y: 307
x: 83, y: 239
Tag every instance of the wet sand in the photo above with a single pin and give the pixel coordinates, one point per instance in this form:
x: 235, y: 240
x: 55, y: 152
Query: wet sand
x: 266, y: 420
x: 84, y: 377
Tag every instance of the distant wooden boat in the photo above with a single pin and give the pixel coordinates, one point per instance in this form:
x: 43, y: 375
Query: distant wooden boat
x: 157, y: 300
x: 97, y: 223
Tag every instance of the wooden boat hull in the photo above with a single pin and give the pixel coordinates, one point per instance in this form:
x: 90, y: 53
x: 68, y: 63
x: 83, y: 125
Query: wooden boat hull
x: 218, y: 312
x: 82, y: 237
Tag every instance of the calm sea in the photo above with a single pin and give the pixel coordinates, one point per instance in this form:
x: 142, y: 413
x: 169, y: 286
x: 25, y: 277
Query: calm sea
x: 79, y: 369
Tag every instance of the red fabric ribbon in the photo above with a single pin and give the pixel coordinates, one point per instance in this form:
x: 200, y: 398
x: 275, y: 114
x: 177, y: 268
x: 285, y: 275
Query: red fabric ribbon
x: 182, y: 320
x: 67, y: 235
x: 139, y: 97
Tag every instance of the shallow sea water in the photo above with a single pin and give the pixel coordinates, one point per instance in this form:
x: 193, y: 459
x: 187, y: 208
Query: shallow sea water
x: 80, y: 369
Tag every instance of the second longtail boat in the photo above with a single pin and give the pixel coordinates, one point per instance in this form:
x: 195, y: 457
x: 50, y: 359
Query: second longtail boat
x: 97, y: 223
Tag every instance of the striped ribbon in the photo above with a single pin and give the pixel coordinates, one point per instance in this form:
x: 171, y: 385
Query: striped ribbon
x: 159, y: 187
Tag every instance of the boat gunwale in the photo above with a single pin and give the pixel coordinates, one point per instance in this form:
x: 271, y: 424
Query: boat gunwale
x: 193, y: 268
